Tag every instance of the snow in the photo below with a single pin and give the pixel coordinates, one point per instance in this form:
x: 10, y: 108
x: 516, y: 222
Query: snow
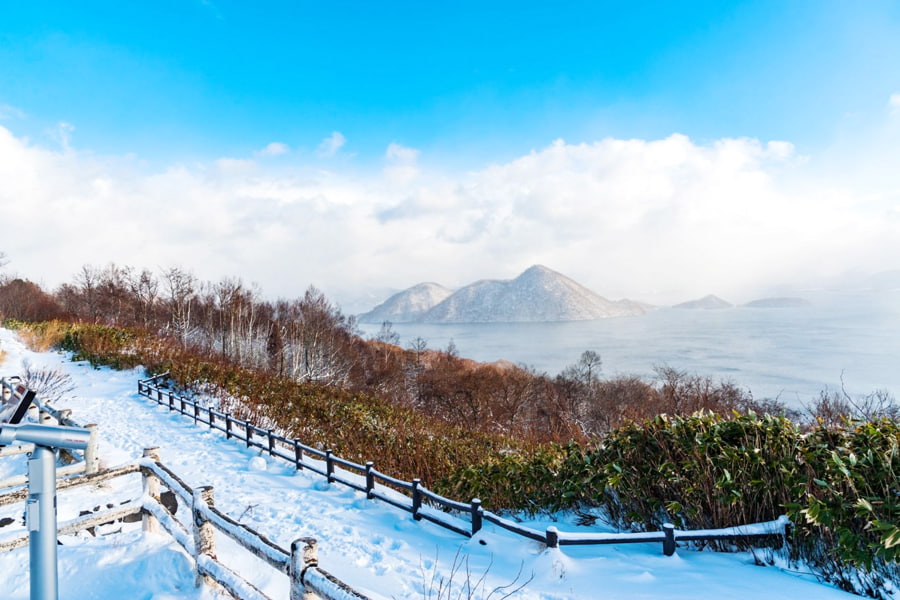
x: 376, y: 549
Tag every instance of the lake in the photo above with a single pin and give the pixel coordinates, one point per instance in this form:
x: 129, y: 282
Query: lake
x: 789, y: 353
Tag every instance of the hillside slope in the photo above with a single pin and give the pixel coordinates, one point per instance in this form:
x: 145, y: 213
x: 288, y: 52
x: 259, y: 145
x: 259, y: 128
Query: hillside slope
x: 408, y: 305
x: 375, y: 548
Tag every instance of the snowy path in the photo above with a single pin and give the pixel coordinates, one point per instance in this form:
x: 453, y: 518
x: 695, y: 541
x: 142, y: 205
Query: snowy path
x: 379, y: 550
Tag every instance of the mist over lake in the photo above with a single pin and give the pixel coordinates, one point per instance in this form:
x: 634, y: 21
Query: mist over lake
x: 790, y: 353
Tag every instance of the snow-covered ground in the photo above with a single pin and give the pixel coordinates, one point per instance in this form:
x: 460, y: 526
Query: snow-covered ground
x: 379, y: 550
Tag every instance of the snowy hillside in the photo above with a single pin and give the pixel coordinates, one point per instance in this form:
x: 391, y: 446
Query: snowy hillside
x: 408, y: 305
x: 537, y: 295
x: 379, y: 550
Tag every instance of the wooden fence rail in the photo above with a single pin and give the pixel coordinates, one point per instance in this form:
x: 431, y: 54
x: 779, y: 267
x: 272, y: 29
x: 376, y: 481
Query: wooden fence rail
x: 411, y: 496
x: 300, y: 564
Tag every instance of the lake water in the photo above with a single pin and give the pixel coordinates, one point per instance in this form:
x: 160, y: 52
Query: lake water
x: 790, y: 353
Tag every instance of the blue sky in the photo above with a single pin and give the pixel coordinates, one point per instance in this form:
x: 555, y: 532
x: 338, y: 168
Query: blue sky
x: 181, y: 79
x: 412, y: 100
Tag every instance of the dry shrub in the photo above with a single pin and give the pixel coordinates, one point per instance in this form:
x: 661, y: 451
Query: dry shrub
x: 49, y: 384
x: 43, y: 336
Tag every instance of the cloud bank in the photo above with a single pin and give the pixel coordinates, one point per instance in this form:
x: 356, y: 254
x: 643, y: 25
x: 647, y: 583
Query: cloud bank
x: 660, y: 220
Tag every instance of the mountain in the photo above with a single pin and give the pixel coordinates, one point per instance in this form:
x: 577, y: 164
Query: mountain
x: 780, y: 302
x: 537, y: 295
x: 706, y: 303
x: 408, y: 305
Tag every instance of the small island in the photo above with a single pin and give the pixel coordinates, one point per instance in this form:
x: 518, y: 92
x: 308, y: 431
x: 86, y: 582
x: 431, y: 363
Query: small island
x: 783, y: 302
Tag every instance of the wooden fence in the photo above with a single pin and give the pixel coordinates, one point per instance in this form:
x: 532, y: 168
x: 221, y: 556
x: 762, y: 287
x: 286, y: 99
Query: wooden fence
x: 300, y: 563
x: 464, y: 518
x: 80, y: 462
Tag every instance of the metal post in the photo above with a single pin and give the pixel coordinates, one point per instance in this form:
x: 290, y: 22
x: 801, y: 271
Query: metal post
x: 40, y: 516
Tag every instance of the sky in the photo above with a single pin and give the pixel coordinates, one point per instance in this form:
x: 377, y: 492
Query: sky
x: 656, y: 150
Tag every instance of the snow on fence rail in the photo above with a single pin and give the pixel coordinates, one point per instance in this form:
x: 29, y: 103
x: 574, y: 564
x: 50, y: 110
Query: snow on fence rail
x: 300, y: 563
x: 82, y: 462
x: 463, y: 518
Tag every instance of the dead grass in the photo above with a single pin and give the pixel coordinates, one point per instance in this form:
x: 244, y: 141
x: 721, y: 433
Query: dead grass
x: 42, y: 337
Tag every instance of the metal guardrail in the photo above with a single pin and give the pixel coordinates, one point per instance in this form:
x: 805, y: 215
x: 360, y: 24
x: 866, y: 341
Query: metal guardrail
x: 418, y: 500
x: 87, y: 461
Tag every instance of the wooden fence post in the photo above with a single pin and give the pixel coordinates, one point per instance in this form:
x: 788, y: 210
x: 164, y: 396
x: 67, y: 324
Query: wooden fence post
x: 196, y: 413
x: 47, y: 418
x: 33, y: 411
x: 91, y: 455
x: 416, y: 498
x: 249, y: 429
x: 304, y: 555
x: 298, y: 455
x: 204, y: 531
x: 227, y: 426
x: 272, y: 442
x: 212, y: 418
x: 370, y: 479
x: 329, y: 466
x: 669, y: 541
x: 476, y: 516
x: 171, y: 400
x: 149, y: 523
x: 552, y: 537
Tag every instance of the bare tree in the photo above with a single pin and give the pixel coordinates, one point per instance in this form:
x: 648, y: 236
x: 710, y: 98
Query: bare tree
x: 275, y: 348
x: 87, y: 282
x: 387, y: 335
x: 145, y: 290
x: 181, y: 288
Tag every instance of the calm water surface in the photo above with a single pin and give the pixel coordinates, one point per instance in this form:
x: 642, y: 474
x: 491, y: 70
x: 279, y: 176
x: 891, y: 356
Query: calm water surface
x: 791, y: 353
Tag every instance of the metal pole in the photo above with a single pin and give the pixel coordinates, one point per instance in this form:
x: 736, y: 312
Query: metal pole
x: 40, y: 517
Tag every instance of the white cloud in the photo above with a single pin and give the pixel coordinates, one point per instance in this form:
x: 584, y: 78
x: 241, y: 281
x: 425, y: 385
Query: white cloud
x: 273, y: 149
x: 232, y: 166
x: 8, y: 112
x: 894, y: 103
x: 401, y: 154
x: 401, y: 168
x: 657, y: 220
x: 63, y: 134
x: 331, y: 145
